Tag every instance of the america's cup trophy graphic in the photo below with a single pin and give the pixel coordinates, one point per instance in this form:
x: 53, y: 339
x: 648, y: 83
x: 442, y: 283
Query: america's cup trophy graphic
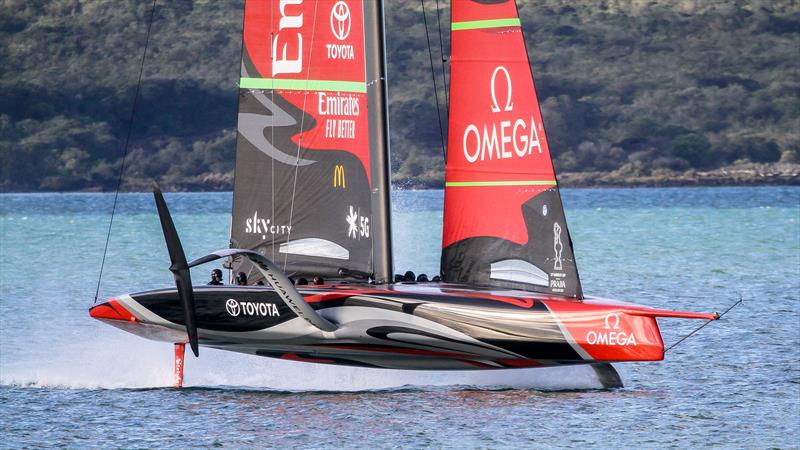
x: 557, y: 245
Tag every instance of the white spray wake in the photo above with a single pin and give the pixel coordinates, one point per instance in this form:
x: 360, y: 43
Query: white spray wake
x: 111, y: 360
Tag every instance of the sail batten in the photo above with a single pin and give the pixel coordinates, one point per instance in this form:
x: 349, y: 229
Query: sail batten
x: 504, y: 224
x: 500, y: 183
x: 303, y: 85
x: 488, y: 23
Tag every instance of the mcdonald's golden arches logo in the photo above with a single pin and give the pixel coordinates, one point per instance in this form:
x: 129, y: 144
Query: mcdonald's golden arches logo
x: 339, y: 179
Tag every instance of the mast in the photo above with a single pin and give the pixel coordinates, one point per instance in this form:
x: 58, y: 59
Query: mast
x: 379, y: 140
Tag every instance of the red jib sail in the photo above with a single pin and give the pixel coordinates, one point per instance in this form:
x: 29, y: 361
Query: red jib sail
x: 302, y: 186
x: 504, y: 224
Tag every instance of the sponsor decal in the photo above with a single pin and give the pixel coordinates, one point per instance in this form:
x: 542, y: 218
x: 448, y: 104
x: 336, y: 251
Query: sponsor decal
x: 340, y: 51
x: 501, y: 139
x: 357, y: 225
x: 340, y: 128
x: 265, y: 227
x: 233, y: 307
x: 340, y: 20
x: 558, y: 247
x: 338, y: 105
x: 287, y: 45
x: 340, y: 26
x: 544, y: 210
x: 339, y: 179
x: 558, y: 280
x: 330, y: 104
x: 609, y: 335
x: 236, y: 308
x: 509, y: 106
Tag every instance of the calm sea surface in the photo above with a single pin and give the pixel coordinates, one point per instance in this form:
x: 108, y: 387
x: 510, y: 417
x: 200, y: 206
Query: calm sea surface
x: 69, y: 381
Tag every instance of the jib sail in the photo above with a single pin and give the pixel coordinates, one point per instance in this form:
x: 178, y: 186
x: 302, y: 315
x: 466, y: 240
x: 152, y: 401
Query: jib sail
x: 302, y: 186
x: 504, y: 224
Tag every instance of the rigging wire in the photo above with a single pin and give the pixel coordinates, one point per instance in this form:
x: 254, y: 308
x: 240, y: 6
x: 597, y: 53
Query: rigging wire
x: 271, y: 134
x: 738, y: 302
x: 127, y: 145
x: 299, y: 141
x: 433, y: 77
x: 444, y: 60
x: 229, y: 263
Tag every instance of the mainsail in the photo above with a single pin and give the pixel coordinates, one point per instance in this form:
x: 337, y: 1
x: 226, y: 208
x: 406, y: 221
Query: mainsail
x: 302, y: 187
x: 504, y: 223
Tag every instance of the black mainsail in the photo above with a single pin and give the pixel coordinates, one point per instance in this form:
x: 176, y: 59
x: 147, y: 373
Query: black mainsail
x: 303, y: 186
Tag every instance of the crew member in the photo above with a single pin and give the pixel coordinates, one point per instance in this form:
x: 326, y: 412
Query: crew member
x: 241, y: 279
x: 216, y: 278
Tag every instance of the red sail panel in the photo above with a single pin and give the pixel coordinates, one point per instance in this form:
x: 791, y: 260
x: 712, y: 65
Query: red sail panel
x: 319, y: 45
x: 503, y: 220
x: 302, y: 186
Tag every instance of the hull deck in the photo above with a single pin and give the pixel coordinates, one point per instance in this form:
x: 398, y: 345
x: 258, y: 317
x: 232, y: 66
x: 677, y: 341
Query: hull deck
x: 403, y: 326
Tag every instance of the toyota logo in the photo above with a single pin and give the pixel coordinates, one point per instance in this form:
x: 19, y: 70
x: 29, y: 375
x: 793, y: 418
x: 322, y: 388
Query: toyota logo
x: 233, y: 307
x: 340, y: 20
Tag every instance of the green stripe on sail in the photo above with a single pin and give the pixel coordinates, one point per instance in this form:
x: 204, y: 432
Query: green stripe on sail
x: 303, y: 85
x: 478, y: 24
x: 500, y: 183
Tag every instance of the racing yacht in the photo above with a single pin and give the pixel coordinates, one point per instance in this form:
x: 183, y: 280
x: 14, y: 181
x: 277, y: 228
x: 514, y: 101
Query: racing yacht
x: 311, y: 199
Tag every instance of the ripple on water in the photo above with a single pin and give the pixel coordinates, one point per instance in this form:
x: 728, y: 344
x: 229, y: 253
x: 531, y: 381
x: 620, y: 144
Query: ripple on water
x: 73, y: 382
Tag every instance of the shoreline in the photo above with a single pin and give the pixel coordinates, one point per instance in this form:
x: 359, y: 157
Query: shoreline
x: 420, y: 187
x: 745, y: 175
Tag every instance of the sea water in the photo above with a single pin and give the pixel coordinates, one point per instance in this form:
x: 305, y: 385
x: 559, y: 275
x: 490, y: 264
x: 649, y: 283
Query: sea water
x: 68, y: 380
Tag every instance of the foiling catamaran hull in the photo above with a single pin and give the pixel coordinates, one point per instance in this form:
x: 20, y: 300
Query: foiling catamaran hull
x: 311, y: 192
x: 421, y: 326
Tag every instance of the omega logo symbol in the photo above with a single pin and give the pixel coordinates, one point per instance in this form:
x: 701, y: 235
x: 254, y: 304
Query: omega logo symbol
x: 613, y: 317
x: 495, y: 105
x: 340, y: 20
x: 233, y: 307
x: 619, y: 338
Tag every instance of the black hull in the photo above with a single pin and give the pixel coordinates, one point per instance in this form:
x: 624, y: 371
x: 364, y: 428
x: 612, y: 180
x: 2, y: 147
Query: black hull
x: 425, y: 326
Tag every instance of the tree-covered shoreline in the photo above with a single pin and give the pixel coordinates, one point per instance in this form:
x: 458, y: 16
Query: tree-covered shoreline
x: 633, y: 93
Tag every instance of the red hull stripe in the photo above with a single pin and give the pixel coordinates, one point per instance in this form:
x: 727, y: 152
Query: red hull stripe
x: 328, y: 296
x: 478, y: 364
x: 296, y: 357
x: 406, y: 351
x: 519, y: 363
x: 672, y: 314
x: 521, y: 302
x: 111, y: 310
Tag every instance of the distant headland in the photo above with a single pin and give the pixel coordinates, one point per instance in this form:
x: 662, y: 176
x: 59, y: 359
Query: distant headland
x: 658, y: 93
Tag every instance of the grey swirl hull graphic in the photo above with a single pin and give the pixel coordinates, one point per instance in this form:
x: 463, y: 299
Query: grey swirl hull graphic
x: 395, y: 330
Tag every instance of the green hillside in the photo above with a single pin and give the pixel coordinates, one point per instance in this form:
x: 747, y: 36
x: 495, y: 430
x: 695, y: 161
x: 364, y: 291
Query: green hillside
x: 632, y: 91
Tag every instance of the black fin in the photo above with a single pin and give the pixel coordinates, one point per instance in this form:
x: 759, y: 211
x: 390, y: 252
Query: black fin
x: 608, y: 375
x: 179, y: 269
